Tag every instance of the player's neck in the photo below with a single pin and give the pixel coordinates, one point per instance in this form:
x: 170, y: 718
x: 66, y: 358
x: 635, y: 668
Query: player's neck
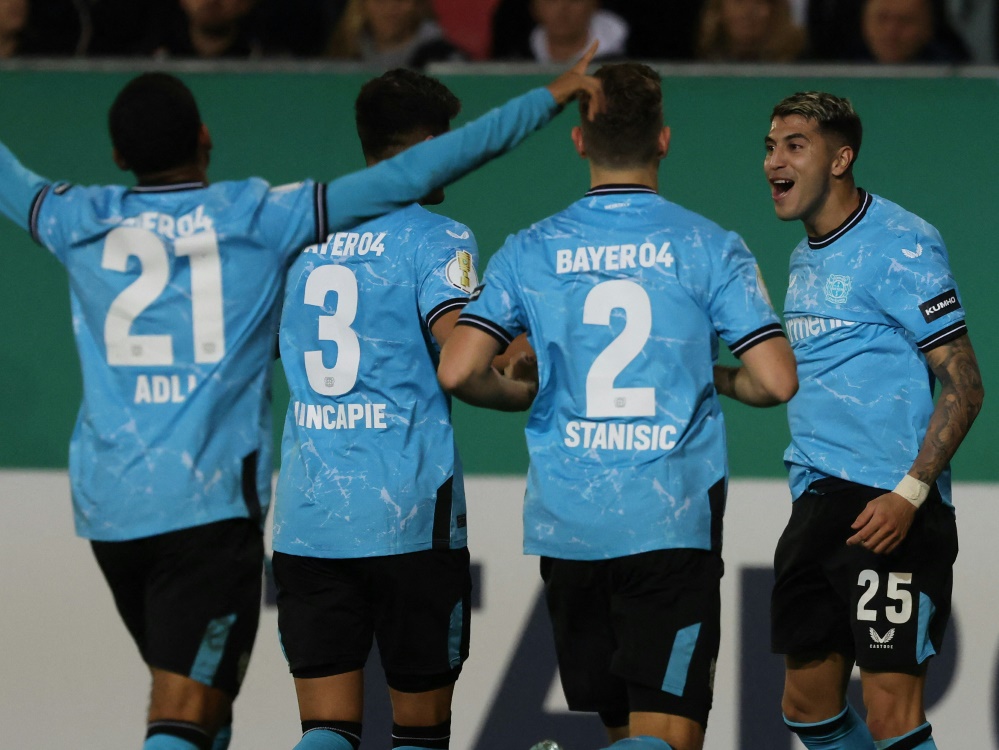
x: 647, y: 176
x: 173, y: 176
x: 843, y: 201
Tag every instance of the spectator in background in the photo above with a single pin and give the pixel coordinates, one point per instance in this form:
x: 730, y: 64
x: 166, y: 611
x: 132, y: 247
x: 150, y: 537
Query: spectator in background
x: 562, y: 30
x: 203, y: 28
x: 749, y: 31
x: 52, y: 28
x: 657, y: 29
x: 908, y: 31
x: 840, y: 30
x: 13, y: 22
x: 387, y: 34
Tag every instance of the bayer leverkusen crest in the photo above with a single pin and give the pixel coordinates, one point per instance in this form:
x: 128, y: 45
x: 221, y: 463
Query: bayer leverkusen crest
x: 838, y: 288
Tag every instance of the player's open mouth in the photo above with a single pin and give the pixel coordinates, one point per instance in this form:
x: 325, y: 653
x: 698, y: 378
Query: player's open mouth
x: 780, y: 188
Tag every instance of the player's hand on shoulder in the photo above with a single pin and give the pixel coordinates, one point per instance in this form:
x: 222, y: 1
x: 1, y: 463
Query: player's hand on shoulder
x: 575, y: 83
x: 883, y: 523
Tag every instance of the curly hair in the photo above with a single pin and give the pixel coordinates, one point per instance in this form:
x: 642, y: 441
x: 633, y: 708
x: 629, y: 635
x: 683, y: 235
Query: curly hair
x: 397, y: 104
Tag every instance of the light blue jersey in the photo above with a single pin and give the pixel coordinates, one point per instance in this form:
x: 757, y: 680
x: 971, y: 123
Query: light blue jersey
x: 175, y: 299
x: 863, y: 306
x: 369, y: 464
x: 624, y: 296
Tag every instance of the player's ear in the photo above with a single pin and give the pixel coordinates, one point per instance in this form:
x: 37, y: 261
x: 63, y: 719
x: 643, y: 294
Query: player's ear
x: 664, y: 136
x: 577, y: 141
x: 119, y: 160
x: 204, y: 138
x: 842, y: 160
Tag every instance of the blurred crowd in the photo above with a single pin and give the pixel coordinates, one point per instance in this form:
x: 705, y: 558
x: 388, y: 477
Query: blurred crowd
x: 391, y: 33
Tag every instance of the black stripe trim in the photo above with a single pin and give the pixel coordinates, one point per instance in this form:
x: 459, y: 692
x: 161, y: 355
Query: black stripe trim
x: 442, y: 515
x: 846, y: 226
x: 771, y: 331
x: 716, y: 501
x: 914, y: 740
x: 948, y: 334
x: 249, y: 485
x: 182, y: 730
x: 169, y: 188
x: 496, y: 331
x: 36, y: 207
x: 322, y: 228
x: 445, y: 307
x: 820, y: 728
x: 614, y: 189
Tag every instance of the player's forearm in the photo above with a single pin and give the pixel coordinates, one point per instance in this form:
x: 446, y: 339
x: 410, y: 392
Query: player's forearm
x: 768, y: 375
x: 961, y: 397
x: 18, y: 188
x: 490, y: 390
x: 410, y: 175
x: 735, y: 383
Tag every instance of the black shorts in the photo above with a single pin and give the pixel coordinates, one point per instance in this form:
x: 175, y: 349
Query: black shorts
x: 191, y: 598
x: 637, y: 633
x: 886, y: 612
x: 417, y: 605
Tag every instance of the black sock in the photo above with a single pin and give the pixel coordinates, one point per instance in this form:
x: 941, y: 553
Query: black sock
x: 349, y: 730
x: 434, y: 738
x: 183, y: 730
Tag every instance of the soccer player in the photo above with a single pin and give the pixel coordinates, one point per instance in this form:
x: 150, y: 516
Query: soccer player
x: 369, y: 521
x: 624, y: 297
x: 174, y: 289
x: 864, y: 567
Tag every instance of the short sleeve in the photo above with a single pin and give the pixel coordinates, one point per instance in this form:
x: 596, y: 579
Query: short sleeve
x: 740, y: 305
x: 448, y: 259
x: 918, y: 291
x: 497, y: 306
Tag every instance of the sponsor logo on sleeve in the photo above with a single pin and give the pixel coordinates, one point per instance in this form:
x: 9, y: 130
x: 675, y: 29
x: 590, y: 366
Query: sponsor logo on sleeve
x: 477, y: 293
x: 61, y: 188
x: 940, y: 305
x: 461, y: 272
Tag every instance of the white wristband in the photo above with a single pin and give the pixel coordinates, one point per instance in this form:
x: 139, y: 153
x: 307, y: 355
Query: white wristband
x: 912, y: 490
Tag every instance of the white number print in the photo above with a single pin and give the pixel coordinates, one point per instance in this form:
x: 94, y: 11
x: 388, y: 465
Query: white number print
x: 127, y: 349
x: 339, y: 379
x: 602, y: 398
x: 896, y: 615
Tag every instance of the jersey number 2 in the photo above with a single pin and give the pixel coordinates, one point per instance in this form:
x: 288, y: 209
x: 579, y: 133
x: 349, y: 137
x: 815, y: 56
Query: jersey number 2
x: 602, y: 398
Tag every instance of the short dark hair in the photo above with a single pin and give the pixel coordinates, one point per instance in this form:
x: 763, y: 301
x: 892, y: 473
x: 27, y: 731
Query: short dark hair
x: 154, y: 123
x: 397, y: 104
x: 626, y: 133
x: 833, y: 114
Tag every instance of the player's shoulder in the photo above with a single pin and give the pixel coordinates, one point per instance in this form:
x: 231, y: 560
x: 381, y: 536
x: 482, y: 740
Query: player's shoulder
x: 898, y: 223
x: 437, y: 227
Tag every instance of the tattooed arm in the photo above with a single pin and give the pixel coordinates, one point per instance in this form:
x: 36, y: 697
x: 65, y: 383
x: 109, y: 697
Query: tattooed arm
x: 885, y: 521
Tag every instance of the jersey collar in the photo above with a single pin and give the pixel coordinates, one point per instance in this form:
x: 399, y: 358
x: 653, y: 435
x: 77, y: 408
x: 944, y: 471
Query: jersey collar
x: 851, y: 221
x: 169, y: 188
x: 614, y: 189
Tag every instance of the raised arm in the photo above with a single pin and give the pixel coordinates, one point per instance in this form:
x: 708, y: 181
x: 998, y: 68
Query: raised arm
x: 19, y: 187
x: 409, y: 176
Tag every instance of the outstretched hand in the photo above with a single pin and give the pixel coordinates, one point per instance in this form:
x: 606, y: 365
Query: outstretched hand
x: 523, y: 367
x: 883, y: 523
x: 574, y: 83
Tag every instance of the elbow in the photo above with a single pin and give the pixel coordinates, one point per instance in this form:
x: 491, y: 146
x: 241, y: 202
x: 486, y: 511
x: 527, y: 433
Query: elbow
x: 451, y: 376
x: 785, y: 389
